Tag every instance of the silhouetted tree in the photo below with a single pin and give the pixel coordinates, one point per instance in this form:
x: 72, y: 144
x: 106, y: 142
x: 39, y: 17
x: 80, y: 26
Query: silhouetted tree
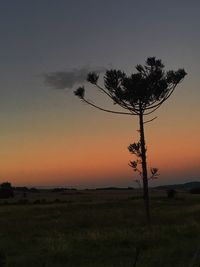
x: 6, y: 190
x: 171, y: 193
x: 140, y: 94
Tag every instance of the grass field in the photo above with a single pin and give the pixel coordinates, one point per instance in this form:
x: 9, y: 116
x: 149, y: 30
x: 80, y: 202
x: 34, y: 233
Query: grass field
x: 99, y: 229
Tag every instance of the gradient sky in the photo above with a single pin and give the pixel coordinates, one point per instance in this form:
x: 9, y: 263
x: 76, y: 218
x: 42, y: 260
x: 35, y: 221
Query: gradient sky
x: 48, y: 137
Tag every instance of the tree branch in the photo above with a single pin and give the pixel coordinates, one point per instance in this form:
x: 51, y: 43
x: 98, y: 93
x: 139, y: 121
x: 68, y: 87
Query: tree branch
x: 155, y: 107
x: 106, y: 110
x: 163, y: 100
x: 122, y: 104
x: 150, y: 120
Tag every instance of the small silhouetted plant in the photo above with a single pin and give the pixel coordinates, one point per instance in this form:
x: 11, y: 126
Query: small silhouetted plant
x: 140, y: 94
x: 6, y: 190
x: 171, y: 193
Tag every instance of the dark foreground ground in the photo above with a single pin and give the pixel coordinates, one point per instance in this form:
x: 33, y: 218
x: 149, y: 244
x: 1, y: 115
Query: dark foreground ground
x: 99, y: 229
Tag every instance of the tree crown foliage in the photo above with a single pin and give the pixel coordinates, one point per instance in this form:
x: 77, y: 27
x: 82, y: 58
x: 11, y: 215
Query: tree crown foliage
x: 143, y: 91
x: 6, y: 190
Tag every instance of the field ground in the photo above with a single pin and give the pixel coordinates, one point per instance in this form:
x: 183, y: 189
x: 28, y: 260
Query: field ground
x: 99, y: 229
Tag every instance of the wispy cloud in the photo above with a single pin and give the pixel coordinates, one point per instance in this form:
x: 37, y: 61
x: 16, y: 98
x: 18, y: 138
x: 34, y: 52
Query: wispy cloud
x: 67, y: 79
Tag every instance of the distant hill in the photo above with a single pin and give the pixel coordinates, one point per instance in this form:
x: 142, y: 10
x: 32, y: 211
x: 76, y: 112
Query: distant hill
x: 185, y: 186
x: 114, y: 188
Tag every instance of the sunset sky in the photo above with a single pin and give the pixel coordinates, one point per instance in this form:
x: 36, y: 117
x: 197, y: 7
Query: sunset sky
x: 48, y: 136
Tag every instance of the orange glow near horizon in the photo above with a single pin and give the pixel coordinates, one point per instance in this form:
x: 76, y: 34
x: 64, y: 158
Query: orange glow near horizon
x: 99, y: 159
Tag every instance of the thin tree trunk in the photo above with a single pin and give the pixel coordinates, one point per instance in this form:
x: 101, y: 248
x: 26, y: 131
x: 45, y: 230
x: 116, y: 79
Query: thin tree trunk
x: 144, y: 169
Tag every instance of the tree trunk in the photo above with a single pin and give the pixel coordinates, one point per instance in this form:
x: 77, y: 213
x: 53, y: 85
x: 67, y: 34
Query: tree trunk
x: 144, y: 169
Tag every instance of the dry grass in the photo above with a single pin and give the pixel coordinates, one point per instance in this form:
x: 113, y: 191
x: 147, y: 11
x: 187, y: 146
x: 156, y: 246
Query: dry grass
x: 100, y: 229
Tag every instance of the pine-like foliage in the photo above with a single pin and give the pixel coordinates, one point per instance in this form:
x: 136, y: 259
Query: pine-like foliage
x: 145, y: 90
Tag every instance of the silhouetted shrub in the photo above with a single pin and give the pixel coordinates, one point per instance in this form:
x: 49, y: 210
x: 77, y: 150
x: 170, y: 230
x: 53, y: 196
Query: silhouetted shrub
x: 195, y: 190
x: 171, y: 193
x: 6, y: 190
